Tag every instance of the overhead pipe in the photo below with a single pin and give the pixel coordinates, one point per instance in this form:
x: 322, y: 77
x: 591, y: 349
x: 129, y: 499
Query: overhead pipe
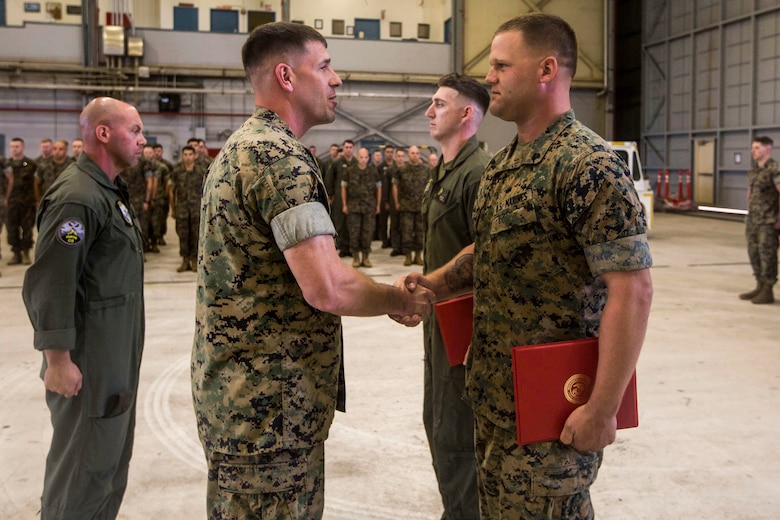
x: 188, y: 90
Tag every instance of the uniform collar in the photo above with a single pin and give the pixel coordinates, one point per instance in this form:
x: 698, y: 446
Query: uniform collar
x: 90, y: 167
x: 468, y: 148
x: 517, y: 154
x: 272, y: 119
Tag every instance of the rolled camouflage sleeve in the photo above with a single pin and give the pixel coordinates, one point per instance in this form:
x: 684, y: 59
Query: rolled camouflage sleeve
x: 624, y: 254
x: 301, y: 222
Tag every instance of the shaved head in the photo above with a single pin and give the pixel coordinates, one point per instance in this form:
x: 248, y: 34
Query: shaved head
x: 113, y: 134
x: 103, y: 111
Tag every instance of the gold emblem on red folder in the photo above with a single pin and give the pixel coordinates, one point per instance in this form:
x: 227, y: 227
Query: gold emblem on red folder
x: 577, y: 389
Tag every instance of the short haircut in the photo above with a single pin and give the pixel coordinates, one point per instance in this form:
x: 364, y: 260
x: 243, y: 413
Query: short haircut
x: 157, y: 146
x: 547, y: 32
x: 350, y: 141
x: 467, y: 87
x: 147, y: 145
x: 274, y: 39
x: 190, y: 148
x: 766, y: 141
x: 46, y: 140
x: 17, y: 139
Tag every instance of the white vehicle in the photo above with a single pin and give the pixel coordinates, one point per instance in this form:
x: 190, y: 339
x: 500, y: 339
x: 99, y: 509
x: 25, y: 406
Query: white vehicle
x: 628, y: 151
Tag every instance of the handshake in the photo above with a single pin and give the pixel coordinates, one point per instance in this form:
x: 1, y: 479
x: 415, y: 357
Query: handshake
x: 418, y: 297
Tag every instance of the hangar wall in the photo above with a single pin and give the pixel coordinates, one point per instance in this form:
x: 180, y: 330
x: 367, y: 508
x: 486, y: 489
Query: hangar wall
x: 387, y: 82
x: 711, y: 80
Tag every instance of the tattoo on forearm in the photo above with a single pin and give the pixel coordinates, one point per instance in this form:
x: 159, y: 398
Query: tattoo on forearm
x: 461, y: 275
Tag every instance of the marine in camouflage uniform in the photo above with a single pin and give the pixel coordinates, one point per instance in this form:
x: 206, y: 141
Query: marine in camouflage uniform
x: 266, y: 360
x: 333, y: 184
x: 3, y: 188
x: 361, y: 192
x: 139, y: 179
x: 762, y: 224
x: 265, y: 364
x: 160, y: 207
x: 409, y: 183
x: 551, y: 217
x: 49, y: 172
x: 20, y: 209
x: 187, y: 186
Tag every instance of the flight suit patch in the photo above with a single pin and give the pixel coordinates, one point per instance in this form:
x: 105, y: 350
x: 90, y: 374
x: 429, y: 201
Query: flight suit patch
x: 442, y: 195
x: 70, y: 232
x: 125, y: 213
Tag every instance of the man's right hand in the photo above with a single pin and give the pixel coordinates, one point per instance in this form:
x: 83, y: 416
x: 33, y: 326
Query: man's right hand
x: 62, y: 376
x: 419, y: 300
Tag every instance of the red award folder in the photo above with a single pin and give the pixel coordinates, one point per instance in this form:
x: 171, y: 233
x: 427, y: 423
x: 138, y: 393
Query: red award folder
x: 455, y: 323
x: 553, y: 379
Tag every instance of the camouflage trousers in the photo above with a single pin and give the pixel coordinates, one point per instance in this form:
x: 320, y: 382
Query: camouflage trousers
x: 188, y: 227
x: 280, y: 485
x: 542, y: 481
x: 762, y: 243
x: 361, y: 230
x: 159, y: 225
x: 19, y: 224
x: 411, y: 231
x: 2, y: 219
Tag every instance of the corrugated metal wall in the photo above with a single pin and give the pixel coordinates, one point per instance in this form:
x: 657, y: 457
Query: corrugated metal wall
x: 711, y: 78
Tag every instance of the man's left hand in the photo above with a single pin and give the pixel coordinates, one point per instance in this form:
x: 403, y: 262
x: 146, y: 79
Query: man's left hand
x: 588, y: 430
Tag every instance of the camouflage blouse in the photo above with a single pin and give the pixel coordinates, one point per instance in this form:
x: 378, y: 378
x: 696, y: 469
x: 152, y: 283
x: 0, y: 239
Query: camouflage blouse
x: 264, y: 363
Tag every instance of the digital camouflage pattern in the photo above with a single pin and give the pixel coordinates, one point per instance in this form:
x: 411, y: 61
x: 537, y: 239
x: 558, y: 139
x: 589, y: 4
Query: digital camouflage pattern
x: 763, y: 208
x: 265, y: 364
x: 333, y: 185
x: 542, y: 481
x: 135, y: 177
x: 551, y: 216
x: 23, y: 173
x: 49, y: 171
x: 159, y: 213
x: 361, y: 187
x: 411, y: 180
x: 285, y: 485
x: 3, y: 188
x: 187, y: 189
x: 20, y: 211
x: 764, y: 200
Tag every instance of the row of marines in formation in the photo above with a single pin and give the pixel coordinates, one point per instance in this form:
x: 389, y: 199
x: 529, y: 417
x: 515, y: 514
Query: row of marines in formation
x: 156, y: 186
x: 373, y: 199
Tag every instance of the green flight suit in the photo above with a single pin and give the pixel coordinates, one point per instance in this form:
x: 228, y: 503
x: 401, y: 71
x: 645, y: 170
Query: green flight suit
x: 447, y: 207
x: 84, y: 293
